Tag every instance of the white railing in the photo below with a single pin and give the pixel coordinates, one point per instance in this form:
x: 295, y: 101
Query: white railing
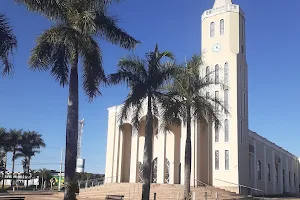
x: 244, y: 186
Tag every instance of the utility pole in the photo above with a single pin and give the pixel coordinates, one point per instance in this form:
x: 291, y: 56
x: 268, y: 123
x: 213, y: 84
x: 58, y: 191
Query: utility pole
x: 61, y: 163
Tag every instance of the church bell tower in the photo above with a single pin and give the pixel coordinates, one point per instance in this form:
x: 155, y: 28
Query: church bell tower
x: 224, y: 54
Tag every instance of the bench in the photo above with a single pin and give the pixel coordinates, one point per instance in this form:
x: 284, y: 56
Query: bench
x: 116, y: 197
x: 12, y: 198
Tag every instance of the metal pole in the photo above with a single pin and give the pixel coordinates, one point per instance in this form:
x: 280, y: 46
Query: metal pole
x: 154, y: 196
x: 60, y: 170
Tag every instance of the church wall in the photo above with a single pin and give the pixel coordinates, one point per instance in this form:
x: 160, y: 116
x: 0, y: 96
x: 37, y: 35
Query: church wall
x: 267, y: 152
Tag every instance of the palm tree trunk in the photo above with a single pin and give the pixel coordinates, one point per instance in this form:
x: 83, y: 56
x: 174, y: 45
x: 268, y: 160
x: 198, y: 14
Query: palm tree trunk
x: 147, y: 152
x: 28, y: 163
x: 13, y: 167
x: 187, y: 159
x: 4, y: 172
x: 72, y: 132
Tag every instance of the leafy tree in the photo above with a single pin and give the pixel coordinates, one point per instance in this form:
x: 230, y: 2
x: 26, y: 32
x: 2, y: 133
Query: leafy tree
x: 8, y: 43
x: 186, y: 99
x: 144, y: 77
x: 77, y: 24
x: 30, y: 144
x: 15, y: 138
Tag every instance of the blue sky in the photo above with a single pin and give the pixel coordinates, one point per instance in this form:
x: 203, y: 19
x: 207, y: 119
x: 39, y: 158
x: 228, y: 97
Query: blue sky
x: 34, y: 101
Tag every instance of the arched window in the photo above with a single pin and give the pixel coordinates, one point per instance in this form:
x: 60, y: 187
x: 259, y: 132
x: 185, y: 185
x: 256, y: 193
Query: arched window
x: 277, y: 178
x: 216, y: 100
x: 207, y: 73
x: 217, y: 165
x: 226, y: 73
x: 226, y: 98
x: 212, y: 29
x: 216, y: 74
x: 259, y: 170
x: 226, y: 127
x: 217, y: 135
x: 222, y: 27
x: 269, y: 173
x: 226, y: 159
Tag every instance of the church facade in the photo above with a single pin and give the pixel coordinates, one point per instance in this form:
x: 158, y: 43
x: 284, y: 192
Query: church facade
x: 231, y: 157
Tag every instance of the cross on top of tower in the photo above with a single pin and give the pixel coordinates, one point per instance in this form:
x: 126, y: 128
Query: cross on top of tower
x: 221, y: 3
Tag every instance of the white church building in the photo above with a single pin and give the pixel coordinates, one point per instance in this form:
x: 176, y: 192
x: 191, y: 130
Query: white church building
x: 233, y: 157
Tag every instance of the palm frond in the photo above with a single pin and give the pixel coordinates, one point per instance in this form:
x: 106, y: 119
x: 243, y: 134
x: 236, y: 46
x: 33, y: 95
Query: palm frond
x: 8, y: 43
x: 131, y: 71
x: 109, y: 30
x: 93, y: 72
x: 52, y: 9
x: 53, y: 52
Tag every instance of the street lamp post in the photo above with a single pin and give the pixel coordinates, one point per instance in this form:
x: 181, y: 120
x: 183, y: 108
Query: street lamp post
x: 60, y: 171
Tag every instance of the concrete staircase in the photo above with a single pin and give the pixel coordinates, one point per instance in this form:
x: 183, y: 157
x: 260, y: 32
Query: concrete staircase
x: 163, y: 192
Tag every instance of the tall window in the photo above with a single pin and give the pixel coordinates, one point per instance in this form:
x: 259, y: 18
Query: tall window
x: 244, y: 104
x: 222, y: 27
x: 217, y: 164
x: 217, y: 135
x: 226, y: 98
x: 269, y: 173
x: 290, y: 178
x: 226, y: 73
x: 277, y: 178
x: 242, y: 29
x: 216, y: 100
x: 207, y: 74
x: 241, y: 131
x: 217, y: 74
x: 212, y: 29
x: 259, y: 170
x: 226, y: 159
x: 250, y: 163
x: 294, y: 179
x: 226, y: 126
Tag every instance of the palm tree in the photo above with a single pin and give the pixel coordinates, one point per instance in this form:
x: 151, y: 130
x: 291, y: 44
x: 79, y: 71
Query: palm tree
x: 6, y: 147
x: 186, y: 99
x: 144, y: 77
x: 8, y: 43
x: 15, y: 138
x: 30, y: 144
x: 77, y: 24
x: 45, y: 174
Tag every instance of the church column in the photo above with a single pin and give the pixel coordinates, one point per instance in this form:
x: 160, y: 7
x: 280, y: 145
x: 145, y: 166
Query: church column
x: 121, y: 143
x: 287, y: 179
x: 161, y: 160
x: 182, y: 151
x: 255, y: 165
x: 264, y: 167
x: 134, y: 155
x: 273, y: 172
x: 116, y: 153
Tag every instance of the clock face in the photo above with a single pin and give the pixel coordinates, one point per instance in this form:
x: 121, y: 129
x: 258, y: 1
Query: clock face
x: 216, y: 47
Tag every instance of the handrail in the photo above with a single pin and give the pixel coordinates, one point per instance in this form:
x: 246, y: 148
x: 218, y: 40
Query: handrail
x: 207, y: 187
x: 244, y: 186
